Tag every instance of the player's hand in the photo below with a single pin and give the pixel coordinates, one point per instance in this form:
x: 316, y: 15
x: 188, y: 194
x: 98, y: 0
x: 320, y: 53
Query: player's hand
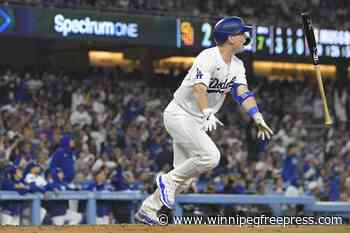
x: 264, y: 131
x: 210, y: 120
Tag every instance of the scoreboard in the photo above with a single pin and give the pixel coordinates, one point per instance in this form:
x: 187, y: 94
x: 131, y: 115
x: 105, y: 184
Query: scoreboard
x: 269, y: 40
x: 161, y: 31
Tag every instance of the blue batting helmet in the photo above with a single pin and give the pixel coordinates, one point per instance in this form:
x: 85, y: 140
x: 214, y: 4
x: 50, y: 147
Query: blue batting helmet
x: 229, y: 27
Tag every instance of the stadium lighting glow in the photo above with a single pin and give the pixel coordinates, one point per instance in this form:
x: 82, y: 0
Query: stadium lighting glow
x: 110, y: 59
x: 187, y: 61
x: 268, y: 68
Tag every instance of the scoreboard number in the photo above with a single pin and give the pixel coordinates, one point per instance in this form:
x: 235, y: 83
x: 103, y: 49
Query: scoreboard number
x: 206, y: 29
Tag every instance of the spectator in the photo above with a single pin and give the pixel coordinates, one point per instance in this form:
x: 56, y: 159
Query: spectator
x: 290, y: 166
x: 131, y: 146
x: 63, y: 159
x: 77, y: 99
x: 80, y: 117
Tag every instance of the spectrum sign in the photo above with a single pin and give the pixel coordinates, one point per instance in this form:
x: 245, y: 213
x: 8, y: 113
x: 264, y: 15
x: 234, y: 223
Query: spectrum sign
x: 86, y: 26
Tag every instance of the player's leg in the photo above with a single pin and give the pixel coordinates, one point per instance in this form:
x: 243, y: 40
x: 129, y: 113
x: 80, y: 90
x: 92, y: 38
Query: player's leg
x: 42, y: 214
x: 102, y: 220
x: 6, y: 219
x: 152, y: 204
x: 58, y: 220
x: 26, y: 215
x: 203, y: 155
x: 16, y: 220
x: 149, y: 208
x: 180, y: 156
x: 73, y: 218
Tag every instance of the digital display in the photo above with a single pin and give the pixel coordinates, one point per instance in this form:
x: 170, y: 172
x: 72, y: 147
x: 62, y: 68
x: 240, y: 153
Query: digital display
x: 91, y: 25
x: 161, y: 31
x: 271, y: 40
x: 194, y: 34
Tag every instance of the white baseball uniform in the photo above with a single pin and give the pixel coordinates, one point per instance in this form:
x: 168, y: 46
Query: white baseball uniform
x: 194, y: 151
x: 210, y: 69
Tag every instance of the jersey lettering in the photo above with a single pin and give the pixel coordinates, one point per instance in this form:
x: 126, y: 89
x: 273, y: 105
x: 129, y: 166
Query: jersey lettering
x: 209, y: 69
x: 216, y: 85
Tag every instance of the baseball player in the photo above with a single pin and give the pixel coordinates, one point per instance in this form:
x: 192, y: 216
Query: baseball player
x: 104, y: 208
x: 190, y: 115
x: 12, y: 210
x: 59, y: 210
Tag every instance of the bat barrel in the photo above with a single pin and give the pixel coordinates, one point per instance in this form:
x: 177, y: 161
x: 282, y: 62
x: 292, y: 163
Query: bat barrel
x: 327, y: 117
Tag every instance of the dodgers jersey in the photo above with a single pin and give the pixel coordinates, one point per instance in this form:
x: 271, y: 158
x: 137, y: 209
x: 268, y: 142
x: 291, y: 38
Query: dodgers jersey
x: 210, y: 69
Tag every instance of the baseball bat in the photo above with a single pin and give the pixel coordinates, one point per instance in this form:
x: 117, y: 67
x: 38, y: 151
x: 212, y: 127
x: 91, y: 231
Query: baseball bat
x: 310, y: 37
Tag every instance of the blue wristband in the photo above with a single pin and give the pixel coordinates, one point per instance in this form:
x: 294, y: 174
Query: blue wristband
x: 240, y: 98
x: 253, y: 110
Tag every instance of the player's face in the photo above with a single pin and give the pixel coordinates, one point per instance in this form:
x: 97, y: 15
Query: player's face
x: 237, y: 41
x: 60, y: 175
x: 18, y: 174
x: 35, y: 170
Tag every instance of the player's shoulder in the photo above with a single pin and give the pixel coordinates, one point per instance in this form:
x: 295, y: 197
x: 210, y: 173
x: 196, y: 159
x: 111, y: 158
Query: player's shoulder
x: 238, y: 64
x: 207, y: 57
x: 237, y: 60
x: 207, y: 53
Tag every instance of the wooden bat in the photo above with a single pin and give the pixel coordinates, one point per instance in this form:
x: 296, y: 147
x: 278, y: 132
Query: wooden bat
x: 310, y: 37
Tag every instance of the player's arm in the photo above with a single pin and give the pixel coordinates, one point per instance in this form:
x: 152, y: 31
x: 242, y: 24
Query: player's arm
x: 200, y: 75
x: 201, y: 96
x: 246, y: 99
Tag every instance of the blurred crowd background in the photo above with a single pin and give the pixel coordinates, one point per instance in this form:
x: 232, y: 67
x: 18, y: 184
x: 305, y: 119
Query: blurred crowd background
x: 102, y: 130
x: 114, y: 119
x: 264, y: 12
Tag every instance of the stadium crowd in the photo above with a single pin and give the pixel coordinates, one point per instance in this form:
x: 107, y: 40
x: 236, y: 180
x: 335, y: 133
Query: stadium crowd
x: 326, y: 13
x: 103, y: 131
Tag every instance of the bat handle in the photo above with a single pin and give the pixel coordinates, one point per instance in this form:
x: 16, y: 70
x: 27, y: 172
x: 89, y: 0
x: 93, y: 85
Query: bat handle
x: 327, y: 119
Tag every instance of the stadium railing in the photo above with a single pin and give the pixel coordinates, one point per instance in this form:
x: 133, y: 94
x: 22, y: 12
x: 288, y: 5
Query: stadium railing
x: 274, y: 201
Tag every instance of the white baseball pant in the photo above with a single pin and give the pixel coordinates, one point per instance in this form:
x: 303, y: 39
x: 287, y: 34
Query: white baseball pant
x: 73, y: 218
x: 102, y: 220
x: 7, y: 219
x: 27, y: 216
x: 194, y: 151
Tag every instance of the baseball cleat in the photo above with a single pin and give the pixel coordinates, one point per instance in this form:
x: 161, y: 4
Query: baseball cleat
x: 146, y: 218
x: 166, y: 191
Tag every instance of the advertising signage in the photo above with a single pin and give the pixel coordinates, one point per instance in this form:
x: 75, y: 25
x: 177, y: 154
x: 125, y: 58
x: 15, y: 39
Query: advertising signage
x: 66, y: 24
x: 79, y: 24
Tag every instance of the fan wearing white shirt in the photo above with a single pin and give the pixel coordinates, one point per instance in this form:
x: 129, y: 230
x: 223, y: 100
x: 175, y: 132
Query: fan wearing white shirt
x: 80, y: 117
